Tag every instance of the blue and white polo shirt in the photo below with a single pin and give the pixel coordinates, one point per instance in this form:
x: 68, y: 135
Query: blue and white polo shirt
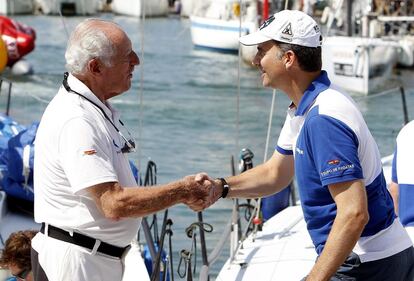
x: 403, y: 173
x: 331, y: 143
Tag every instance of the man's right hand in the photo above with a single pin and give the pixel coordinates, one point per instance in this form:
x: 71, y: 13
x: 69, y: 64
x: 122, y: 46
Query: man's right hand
x: 202, y: 193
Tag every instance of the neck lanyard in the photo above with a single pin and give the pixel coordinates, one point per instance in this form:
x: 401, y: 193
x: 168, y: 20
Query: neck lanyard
x: 129, y: 144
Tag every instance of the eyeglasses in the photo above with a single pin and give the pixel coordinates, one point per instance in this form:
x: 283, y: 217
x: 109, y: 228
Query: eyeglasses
x: 22, y: 275
x: 129, y: 145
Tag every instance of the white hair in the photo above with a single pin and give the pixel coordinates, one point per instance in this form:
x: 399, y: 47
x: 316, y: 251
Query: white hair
x: 85, y: 43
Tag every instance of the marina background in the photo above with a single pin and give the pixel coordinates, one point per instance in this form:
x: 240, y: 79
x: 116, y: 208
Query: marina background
x: 187, y: 121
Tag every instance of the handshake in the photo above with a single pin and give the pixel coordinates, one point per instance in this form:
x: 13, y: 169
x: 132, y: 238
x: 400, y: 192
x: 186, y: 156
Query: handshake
x: 202, y: 191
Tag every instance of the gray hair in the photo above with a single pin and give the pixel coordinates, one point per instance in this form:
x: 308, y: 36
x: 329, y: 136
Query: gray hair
x: 85, y: 43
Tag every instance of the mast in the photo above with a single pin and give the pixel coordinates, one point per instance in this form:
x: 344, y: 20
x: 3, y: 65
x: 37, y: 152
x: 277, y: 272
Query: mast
x: 349, y: 18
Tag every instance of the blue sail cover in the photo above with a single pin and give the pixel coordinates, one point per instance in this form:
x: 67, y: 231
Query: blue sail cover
x: 18, y: 158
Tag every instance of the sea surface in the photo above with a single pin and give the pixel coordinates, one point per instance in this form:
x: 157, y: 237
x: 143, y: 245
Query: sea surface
x: 185, y: 109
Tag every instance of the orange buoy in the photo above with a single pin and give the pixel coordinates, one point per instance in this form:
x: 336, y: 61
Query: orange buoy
x: 3, y: 55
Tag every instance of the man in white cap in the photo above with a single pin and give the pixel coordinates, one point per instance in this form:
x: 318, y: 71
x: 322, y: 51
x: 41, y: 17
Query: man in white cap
x: 326, y: 143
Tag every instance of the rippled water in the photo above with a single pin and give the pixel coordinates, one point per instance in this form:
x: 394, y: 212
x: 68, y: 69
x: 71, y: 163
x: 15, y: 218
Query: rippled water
x: 188, y: 113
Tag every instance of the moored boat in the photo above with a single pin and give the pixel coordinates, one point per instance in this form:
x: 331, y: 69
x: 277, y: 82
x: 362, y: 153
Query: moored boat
x: 138, y: 8
x: 219, y: 24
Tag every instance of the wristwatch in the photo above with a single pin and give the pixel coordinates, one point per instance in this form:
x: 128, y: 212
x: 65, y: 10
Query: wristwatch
x: 226, y: 187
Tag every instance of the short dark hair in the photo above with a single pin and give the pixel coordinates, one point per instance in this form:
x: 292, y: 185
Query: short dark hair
x: 17, y: 249
x: 309, y: 58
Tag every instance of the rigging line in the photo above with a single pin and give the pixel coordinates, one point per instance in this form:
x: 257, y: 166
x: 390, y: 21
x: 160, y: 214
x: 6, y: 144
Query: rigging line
x: 265, y: 155
x: 37, y: 98
x: 141, y: 85
x: 238, y: 79
x: 234, y: 237
x: 63, y: 22
x: 383, y: 93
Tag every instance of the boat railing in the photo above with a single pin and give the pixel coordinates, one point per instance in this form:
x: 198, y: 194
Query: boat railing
x: 396, y: 18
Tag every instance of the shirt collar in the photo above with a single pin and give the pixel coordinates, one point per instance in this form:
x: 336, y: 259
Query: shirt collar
x: 76, y: 85
x: 320, y: 84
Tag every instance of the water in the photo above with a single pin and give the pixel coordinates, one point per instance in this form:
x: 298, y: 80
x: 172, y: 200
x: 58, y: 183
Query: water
x: 188, y: 115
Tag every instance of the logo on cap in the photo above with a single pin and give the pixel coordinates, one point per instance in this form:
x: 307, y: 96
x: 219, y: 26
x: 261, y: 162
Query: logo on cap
x: 288, y: 30
x: 267, y: 22
x: 287, y: 33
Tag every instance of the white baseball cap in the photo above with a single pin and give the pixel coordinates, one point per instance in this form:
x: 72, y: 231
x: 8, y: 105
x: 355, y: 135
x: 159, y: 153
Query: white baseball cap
x: 293, y: 27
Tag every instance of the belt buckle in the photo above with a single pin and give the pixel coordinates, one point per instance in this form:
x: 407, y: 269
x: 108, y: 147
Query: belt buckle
x: 96, y: 246
x: 126, y: 250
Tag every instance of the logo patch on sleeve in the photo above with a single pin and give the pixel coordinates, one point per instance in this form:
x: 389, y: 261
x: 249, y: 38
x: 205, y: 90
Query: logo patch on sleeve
x: 333, y: 162
x: 89, y: 152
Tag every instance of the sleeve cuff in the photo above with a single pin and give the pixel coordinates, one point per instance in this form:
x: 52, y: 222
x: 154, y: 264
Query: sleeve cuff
x: 284, y: 151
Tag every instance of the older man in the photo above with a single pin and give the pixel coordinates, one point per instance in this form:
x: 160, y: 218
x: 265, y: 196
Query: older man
x: 326, y: 143
x: 85, y: 195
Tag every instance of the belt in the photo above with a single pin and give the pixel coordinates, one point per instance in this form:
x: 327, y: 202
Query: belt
x: 84, y: 241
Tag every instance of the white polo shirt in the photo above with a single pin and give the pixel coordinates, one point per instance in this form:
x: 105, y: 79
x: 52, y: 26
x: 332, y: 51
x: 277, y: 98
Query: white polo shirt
x: 76, y: 147
x: 402, y: 173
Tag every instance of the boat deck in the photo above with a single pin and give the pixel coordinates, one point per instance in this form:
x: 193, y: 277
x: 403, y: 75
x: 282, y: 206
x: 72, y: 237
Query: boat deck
x: 283, y: 250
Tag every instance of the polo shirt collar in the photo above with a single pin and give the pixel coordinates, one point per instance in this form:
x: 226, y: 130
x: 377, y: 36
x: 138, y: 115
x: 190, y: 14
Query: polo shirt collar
x: 320, y: 84
x: 76, y: 85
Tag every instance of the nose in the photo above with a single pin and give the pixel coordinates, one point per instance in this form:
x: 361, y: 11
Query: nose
x: 135, y: 59
x: 256, y: 60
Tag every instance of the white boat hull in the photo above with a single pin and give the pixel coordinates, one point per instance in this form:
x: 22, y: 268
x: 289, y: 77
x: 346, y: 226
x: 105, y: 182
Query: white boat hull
x: 137, y: 8
x: 11, y: 7
x: 359, y: 65
x: 187, y: 7
x: 406, y: 56
x: 83, y: 7
x: 282, y: 251
x: 221, y: 35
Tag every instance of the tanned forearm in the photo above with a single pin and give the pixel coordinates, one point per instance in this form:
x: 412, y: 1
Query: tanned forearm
x: 344, y: 234
x: 352, y: 216
x: 118, y: 202
x: 263, y: 180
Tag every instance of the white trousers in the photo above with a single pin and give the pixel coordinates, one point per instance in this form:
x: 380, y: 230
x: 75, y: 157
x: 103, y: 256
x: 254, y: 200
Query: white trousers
x: 64, y: 261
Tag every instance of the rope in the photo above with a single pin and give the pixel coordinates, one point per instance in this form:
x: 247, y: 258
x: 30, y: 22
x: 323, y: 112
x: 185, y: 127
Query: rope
x: 169, y: 232
x: 269, y: 127
x: 156, y: 270
x: 238, y: 81
x: 63, y: 23
x: 187, y: 255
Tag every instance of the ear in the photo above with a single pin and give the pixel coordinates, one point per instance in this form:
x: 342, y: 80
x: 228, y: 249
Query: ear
x: 289, y: 59
x: 94, y: 66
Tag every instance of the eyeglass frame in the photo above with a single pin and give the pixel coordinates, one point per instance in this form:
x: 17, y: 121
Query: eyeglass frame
x: 129, y: 145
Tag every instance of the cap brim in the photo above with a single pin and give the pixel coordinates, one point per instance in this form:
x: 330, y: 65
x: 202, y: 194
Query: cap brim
x: 253, y: 39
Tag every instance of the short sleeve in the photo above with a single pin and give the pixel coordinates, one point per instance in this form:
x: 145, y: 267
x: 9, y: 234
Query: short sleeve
x: 85, y: 154
x: 334, y: 148
x: 286, y: 136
